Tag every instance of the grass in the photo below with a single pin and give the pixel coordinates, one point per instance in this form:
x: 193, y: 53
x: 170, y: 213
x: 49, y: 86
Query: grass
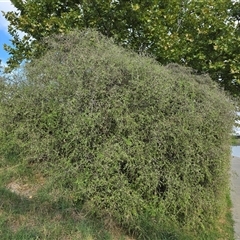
x: 224, y: 225
x: 235, y: 141
x: 30, y: 208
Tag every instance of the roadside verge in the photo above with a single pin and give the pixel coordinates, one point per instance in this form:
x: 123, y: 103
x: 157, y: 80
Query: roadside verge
x: 235, y: 194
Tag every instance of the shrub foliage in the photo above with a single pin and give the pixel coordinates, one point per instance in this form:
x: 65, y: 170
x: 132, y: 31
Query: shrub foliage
x: 120, y: 134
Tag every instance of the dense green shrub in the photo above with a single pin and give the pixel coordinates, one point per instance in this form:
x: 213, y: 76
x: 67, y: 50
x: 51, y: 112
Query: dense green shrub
x: 126, y: 137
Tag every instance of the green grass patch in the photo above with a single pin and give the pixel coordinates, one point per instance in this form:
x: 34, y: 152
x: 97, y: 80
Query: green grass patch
x: 23, y: 218
x: 235, y: 141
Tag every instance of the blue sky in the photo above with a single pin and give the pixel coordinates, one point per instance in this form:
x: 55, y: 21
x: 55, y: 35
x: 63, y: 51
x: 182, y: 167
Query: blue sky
x: 5, y: 5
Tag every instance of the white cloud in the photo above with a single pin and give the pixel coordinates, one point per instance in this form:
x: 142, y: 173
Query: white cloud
x: 5, y: 6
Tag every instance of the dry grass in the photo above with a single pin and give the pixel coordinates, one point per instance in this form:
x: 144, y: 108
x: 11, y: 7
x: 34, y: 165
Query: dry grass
x: 30, y: 210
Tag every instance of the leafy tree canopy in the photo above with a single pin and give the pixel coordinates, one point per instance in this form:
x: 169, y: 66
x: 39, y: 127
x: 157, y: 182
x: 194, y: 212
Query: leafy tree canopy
x: 203, y: 34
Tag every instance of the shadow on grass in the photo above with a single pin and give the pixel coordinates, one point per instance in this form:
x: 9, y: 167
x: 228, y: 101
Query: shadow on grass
x: 14, y: 203
x: 40, y: 218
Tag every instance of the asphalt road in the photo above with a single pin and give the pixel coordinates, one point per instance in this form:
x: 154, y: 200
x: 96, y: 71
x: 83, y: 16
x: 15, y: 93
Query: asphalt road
x: 235, y: 194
